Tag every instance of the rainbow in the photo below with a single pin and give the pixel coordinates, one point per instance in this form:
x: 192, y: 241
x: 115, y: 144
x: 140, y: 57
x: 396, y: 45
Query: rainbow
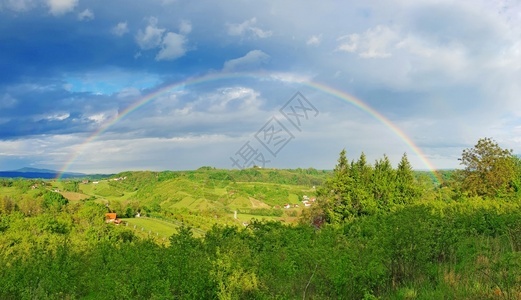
x: 268, y: 76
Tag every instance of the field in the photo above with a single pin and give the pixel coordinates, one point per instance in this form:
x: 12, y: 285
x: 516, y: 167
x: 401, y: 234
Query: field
x: 149, y: 227
x: 199, y: 198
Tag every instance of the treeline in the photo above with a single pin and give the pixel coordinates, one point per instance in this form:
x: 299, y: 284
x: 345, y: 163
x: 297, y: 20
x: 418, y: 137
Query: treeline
x: 145, y: 181
x: 39, y: 201
x: 358, y: 188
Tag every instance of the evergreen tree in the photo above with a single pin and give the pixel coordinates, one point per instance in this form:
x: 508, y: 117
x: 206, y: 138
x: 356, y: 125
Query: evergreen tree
x: 406, y: 187
x: 362, y: 199
x: 384, y: 183
x: 335, y: 194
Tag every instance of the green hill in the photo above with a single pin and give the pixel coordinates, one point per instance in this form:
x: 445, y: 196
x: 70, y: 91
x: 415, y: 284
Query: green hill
x: 201, y: 197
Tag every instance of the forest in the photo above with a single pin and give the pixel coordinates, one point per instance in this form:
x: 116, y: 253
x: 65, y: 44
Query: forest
x: 374, y: 232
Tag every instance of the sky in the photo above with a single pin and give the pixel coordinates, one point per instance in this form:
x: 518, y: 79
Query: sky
x: 107, y: 86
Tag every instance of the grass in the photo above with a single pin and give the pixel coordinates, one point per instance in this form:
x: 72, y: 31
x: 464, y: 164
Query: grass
x: 155, y: 227
x: 152, y: 227
x: 199, y: 199
x: 71, y: 196
x: 9, y: 191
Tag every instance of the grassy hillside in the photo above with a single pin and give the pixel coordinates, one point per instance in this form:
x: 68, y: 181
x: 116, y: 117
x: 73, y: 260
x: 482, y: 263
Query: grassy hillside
x: 199, y: 198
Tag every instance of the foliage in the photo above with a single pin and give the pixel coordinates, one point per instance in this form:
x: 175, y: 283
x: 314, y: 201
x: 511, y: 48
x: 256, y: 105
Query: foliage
x: 489, y: 169
x: 356, y: 189
x: 54, y: 200
x: 71, y: 186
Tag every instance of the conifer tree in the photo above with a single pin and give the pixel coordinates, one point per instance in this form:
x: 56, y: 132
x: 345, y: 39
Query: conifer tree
x: 361, y: 195
x: 384, y: 183
x: 406, y: 188
x: 334, y: 195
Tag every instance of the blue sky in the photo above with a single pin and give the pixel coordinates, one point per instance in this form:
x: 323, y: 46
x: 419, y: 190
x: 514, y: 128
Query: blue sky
x: 445, y: 73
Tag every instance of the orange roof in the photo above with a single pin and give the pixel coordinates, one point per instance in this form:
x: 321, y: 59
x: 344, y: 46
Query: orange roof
x: 110, y: 216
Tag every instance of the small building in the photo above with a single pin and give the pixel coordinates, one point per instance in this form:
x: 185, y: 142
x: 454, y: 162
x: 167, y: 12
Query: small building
x: 110, y: 217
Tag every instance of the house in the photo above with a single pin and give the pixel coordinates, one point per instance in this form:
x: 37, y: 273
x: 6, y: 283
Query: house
x: 306, y: 203
x: 110, y: 217
x: 287, y: 206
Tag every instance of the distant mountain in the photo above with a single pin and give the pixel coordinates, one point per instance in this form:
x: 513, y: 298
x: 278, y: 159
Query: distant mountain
x: 32, y: 170
x: 38, y: 173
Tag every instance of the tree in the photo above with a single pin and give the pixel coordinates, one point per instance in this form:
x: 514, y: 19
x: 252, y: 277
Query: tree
x: 6, y: 205
x: 334, y: 195
x: 71, y: 186
x: 360, y: 191
x: 53, y: 200
x: 406, y: 187
x: 489, y: 169
x: 384, y: 183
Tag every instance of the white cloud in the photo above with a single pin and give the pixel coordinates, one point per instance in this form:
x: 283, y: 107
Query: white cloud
x: 86, y: 15
x: 248, y: 28
x: 349, y: 42
x: 173, y: 46
x: 60, y: 7
x: 451, y: 58
x: 314, y: 40
x: 7, y: 101
x: 151, y: 36
x: 233, y: 99
x: 58, y: 117
x: 120, y: 29
x: 98, y: 118
x: 185, y: 27
x: 18, y: 5
x: 373, y: 43
x: 252, y: 59
x: 130, y: 92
